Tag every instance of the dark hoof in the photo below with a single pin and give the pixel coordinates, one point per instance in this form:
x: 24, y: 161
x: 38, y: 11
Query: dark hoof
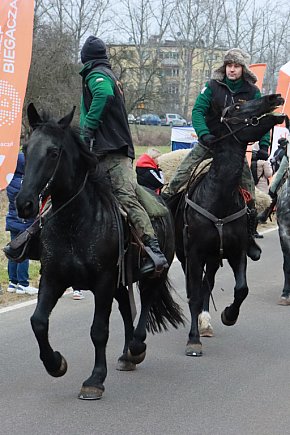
x: 226, y: 321
x: 90, y: 393
x: 193, y: 349
x: 61, y: 371
x: 125, y: 365
x: 136, y: 359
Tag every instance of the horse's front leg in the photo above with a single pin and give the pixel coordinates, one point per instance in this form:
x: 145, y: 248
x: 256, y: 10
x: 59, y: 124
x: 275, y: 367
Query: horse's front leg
x: 205, y: 327
x: 285, y: 245
x: 239, y: 265
x: 193, y: 278
x: 122, y: 296
x: 53, y: 361
x: 93, y: 387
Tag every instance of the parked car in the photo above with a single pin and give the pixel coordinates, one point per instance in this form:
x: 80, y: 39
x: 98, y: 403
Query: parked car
x: 150, y: 119
x: 172, y: 119
x: 131, y: 118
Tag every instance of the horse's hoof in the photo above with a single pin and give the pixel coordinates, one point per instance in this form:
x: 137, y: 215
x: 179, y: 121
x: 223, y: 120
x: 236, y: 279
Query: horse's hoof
x: 206, y: 332
x: 136, y: 359
x: 284, y: 301
x: 193, y: 349
x: 61, y: 371
x: 90, y: 393
x: 125, y: 365
x: 226, y: 321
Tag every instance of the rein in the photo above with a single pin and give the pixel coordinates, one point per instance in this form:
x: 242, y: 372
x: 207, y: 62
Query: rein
x: 45, y: 193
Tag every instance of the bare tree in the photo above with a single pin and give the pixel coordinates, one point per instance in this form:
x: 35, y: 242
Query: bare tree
x: 144, y: 23
x: 78, y: 18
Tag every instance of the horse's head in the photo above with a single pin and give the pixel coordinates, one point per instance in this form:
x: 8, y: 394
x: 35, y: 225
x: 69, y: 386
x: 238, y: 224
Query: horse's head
x: 252, y: 119
x: 51, y: 160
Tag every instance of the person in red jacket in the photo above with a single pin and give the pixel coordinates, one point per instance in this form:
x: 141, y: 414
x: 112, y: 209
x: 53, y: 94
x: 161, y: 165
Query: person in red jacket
x: 148, y: 172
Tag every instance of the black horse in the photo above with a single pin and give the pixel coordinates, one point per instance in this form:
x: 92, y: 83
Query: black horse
x: 211, y: 220
x: 81, y: 246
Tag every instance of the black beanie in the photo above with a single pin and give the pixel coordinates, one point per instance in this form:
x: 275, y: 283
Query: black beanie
x: 93, y: 48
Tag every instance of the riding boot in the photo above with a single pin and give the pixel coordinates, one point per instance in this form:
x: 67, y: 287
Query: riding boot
x: 254, y: 251
x: 17, y: 250
x: 156, y: 261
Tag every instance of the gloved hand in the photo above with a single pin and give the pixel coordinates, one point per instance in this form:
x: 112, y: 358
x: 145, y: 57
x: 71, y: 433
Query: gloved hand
x: 283, y: 142
x: 88, y: 135
x: 262, y: 154
x: 272, y: 194
x: 207, y: 139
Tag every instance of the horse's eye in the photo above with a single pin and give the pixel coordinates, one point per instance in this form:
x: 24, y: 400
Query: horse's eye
x: 53, y: 154
x: 238, y: 107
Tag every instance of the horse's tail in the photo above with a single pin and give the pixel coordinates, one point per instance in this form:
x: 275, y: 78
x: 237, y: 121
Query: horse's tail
x: 164, y: 310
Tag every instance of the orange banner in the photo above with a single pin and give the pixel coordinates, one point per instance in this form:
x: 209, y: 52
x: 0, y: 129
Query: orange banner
x: 259, y: 69
x: 283, y: 88
x: 16, y: 26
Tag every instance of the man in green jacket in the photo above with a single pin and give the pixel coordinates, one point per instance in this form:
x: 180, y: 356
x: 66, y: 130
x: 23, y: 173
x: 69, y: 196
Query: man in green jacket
x: 231, y: 83
x: 106, y: 130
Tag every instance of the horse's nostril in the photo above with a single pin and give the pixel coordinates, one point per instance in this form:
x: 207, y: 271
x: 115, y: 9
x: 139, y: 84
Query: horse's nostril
x: 25, y: 210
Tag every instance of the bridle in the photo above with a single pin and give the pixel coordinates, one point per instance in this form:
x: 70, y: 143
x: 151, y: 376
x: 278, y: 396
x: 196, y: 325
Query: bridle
x: 44, y: 194
x: 254, y: 121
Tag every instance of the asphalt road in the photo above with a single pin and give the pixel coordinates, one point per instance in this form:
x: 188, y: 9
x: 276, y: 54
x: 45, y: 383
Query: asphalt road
x: 240, y: 385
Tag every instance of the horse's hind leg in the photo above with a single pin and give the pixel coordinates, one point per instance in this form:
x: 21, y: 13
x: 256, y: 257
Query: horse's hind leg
x: 122, y: 296
x: 53, y: 361
x: 230, y: 314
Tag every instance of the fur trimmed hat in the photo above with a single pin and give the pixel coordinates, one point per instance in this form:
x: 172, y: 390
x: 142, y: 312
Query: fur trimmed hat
x: 93, y: 48
x: 236, y: 55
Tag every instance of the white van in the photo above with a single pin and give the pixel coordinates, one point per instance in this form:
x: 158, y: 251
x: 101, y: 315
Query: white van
x: 173, y: 119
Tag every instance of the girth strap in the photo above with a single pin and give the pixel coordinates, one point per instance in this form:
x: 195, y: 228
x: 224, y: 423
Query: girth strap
x: 219, y: 223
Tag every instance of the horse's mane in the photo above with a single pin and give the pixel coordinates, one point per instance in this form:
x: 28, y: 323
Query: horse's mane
x: 72, y: 134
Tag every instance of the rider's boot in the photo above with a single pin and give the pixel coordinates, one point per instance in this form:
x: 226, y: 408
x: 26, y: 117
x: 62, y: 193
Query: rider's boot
x: 264, y: 215
x: 254, y: 251
x: 156, y: 261
x: 17, y: 250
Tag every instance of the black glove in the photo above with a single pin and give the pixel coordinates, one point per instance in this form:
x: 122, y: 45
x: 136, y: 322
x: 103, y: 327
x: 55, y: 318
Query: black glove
x: 89, y: 136
x: 272, y: 194
x: 207, y: 139
x: 283, y: 142
x: 262, y: 154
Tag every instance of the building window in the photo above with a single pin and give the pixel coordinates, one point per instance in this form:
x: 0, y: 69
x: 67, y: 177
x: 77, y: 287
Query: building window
x: 173, y: 89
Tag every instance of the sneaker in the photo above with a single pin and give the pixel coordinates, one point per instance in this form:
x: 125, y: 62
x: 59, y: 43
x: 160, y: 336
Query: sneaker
x: 78, y: 295
x: 21, y: 290
x: 11, y: 287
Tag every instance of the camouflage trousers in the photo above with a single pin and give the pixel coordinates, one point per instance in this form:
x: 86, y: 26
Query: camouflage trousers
x: 124, y: 186
x: 193, y: 158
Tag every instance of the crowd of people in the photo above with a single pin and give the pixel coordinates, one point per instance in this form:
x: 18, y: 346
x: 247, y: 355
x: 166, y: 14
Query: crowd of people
x: 105, y: 130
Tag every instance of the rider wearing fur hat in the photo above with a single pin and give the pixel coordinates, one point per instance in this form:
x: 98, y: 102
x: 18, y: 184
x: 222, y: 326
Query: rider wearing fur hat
x: 233, y: 82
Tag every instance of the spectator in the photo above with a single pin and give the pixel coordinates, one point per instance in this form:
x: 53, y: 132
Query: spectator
x: 262, y: 172
x: 148, y: 172
x: 279, y: 154
x: 17, y: 272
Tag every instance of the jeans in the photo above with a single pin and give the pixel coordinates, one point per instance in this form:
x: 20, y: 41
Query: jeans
x: 18, y: 272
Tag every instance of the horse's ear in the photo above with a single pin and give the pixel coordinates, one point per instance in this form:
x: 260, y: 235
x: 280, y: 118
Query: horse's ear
x: 33, y: 117
x: 66, y: 120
